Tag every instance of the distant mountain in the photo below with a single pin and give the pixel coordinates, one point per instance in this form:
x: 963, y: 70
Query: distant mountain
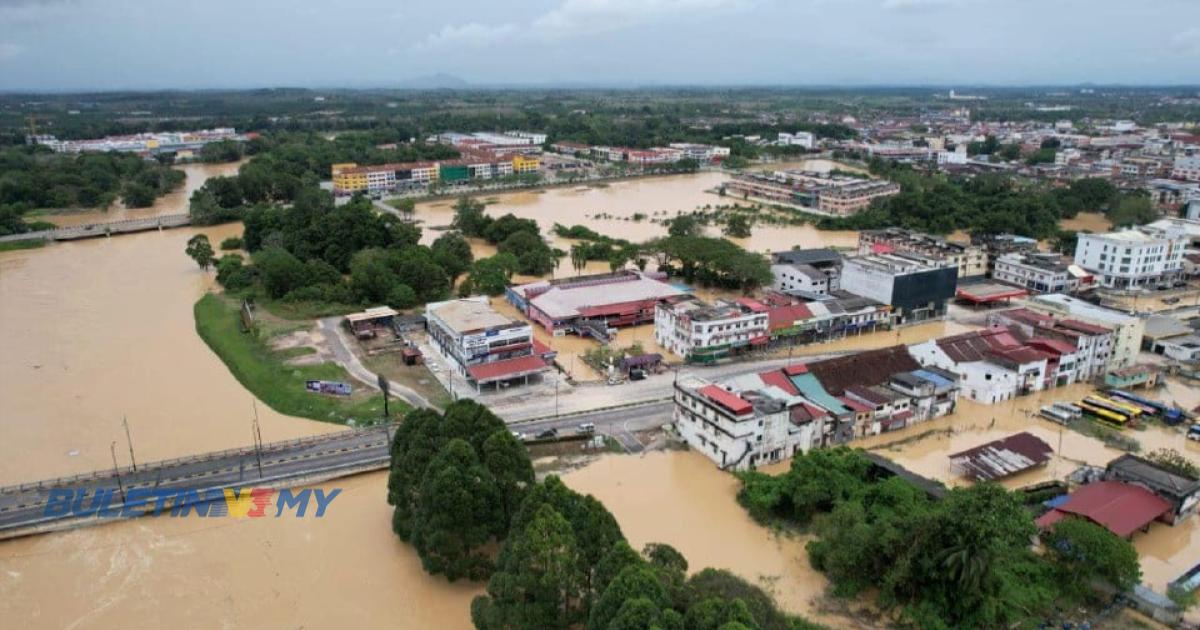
x: 438, y: 81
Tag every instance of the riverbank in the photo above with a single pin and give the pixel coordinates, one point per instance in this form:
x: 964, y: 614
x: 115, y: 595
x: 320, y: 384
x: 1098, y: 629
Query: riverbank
x: 267, y: 374
x: 25, y: 243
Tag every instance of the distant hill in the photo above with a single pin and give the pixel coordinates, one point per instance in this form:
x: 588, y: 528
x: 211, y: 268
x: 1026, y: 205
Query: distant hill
x: 438, y: 81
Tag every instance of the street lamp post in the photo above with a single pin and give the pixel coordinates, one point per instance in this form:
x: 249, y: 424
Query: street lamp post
x: 117, y: 471
x: 129, y: 440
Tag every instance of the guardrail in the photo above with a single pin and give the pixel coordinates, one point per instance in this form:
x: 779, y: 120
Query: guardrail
x: 103, y: 229
x: 271, y: 447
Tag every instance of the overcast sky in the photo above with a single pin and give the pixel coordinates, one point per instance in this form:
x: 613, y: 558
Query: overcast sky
x: 116, y: 44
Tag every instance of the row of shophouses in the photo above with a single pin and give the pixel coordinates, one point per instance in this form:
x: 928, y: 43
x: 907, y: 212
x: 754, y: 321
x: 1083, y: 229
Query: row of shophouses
x: 761, y: 418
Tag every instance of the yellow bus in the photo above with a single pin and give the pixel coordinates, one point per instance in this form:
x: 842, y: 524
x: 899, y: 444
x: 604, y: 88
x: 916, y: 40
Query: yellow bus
x: 1103, y: 414
x: 1120, y: 407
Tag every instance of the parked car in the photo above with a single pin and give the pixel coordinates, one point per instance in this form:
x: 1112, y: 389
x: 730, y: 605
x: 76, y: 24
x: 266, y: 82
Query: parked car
x: 586, y: 428
x: 518, y: 435
x: 548, y: 433
x: 1194, y: 432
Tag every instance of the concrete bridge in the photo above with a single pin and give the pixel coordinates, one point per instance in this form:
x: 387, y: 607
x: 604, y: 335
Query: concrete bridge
x: 94, y: 230
x: 275, y: 465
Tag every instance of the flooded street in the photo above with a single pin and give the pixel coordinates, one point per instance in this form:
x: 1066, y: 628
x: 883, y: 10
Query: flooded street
x: 172, y: 203
x: 346, y: 569
x: 1166, y: 552
x: 1087, y: 222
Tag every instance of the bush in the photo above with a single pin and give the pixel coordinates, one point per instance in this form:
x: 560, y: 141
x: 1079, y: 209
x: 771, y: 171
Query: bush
x: 233, y: 242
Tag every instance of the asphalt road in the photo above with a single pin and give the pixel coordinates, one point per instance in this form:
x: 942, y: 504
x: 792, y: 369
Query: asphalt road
x: 351, y: 451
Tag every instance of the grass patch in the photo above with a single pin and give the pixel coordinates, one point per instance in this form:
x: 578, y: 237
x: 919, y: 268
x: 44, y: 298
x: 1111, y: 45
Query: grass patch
x: 262, y: 371
x: 298, y: 351
x: 391, y: 366
x: 25, y: 243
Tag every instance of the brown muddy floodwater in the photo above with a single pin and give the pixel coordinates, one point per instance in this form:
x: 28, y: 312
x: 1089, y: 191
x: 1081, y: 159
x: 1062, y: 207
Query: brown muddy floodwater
x: 345, y: 570
x: 682, y: 499
x: 1166, y: 552
x: 609, y: 210
x: 1087, y: 221
x: 171, y: 203
x: 101, y: 329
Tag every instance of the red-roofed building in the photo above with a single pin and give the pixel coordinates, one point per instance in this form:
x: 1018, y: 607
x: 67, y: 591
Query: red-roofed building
x: 992, y: 364
x: 1122, y: 508
x: 730, y: 401
x: 780, y: 380
x: 1082, y: 349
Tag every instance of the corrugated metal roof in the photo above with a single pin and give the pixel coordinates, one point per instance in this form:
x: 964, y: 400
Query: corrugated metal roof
x: 1004, y: 457
x: 734, y: 403
x: 1123, y: 508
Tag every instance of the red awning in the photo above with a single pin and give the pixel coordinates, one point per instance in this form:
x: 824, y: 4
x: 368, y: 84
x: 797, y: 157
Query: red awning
x: 509, y: 368
x: 759, y: 340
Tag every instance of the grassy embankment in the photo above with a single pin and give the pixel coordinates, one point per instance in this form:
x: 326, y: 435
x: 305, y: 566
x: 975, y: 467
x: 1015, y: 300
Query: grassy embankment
x: 263, y: 371
x: 25, y: 243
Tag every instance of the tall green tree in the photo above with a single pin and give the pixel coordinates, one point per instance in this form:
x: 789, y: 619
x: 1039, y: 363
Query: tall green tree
x: 200, y: 250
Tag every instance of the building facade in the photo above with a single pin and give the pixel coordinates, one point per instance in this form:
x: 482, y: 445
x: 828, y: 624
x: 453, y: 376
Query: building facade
x: 700, y: 332
x: 916, y: 287
x: 1131, y: 259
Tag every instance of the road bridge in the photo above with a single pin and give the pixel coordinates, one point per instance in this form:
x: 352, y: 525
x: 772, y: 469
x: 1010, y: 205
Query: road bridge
x: 111, y: 228
x: 286, y: 464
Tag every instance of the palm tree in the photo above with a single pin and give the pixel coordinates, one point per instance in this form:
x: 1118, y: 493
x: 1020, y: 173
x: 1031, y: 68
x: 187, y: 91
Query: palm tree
x: 965, y: 564
x: 578, y: 257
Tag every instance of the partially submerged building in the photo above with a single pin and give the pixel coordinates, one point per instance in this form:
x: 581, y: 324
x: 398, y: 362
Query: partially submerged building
x: 481, y: 345
x: 590, y: 305
x: 915, y: 286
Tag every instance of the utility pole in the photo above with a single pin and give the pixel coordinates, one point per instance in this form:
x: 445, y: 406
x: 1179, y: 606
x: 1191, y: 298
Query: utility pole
x: 256, y: 435
x: 117, y: 471
x: 129, y: 440
x: 556, y: 397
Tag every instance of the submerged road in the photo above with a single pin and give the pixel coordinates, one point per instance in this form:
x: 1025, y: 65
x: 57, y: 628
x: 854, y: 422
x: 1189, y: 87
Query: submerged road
x: 23, y: 508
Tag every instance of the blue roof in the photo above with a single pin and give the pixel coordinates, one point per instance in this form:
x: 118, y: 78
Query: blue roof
x: 812, y: 389
x: 936, y: 379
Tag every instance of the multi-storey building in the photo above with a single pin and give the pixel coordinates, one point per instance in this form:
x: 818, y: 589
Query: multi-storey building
x: 971, y: 260
x: 1037, y: 272
x: 800, y: 138
x: 1127, y: 330
x: 916, y: 287
x: 1186, y: 168
x: 806, y: 272
x: 854, y: 197
x: 1093, y: 344
x: 480, y: 344
x: 703, y: 333
x: 1134, y: 258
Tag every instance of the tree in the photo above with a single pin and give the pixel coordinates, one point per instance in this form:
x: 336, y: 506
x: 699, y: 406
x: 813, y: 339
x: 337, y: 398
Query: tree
x: 401, y: 296
x: 469, y: 217
x: 279, y: 271
x: 737, y: 226
x: 453, y: 253
x: 579, y: 257
x: 1175, y: 462
x: 372, y: 275
x: 533, y: 254
x: 490, y: 276
x: 637, y: 581
x: 406, y: 207
x: 1132, y: 210
x: 1082, y: 552
x: 137, y: 195
x: 456, y: 512
x: 232, y: 243
x: 685, y: 225
x: 199, y: 249
x: 538, y: 582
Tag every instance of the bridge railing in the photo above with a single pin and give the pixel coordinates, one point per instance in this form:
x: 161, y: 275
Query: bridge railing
x: 270, y: 447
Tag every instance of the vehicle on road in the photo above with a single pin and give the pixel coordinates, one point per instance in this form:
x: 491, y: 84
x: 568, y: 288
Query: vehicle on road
x: 586, y: 428
x: 1194, y: 432
x: 548, y: 433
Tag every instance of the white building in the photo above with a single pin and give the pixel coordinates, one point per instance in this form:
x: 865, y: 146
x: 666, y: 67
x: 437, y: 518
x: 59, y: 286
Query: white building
x: 991, y: 365
x: 481, y: 344
x: 1133, y: 258
x: 1127, y: 329
x: 956, y: 157
x: 533, y: 138
x: 810, y: 272
x: 1186, y: 168
x: 738, y: 430
x: 698, y: 331
x: 1093, y: 344
x: 800, y: 138
x: 1039, y: 273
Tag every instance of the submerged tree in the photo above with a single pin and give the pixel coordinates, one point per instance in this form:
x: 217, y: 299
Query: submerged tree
x: 200, y: 250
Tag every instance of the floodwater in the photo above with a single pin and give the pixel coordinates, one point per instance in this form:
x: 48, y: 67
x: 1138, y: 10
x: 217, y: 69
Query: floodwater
x: 346, y: 569
x: 682, y: 499
x: 172, y: 203
x: 610, y: 209
x: 100, y: 329
x: 1166, y: 552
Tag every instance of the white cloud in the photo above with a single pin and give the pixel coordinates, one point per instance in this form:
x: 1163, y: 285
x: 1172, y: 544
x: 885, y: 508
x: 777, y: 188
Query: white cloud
x: 8, y: 50
x: 1187, y: 42
x: 470, y: 34
x: 579, y: 17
